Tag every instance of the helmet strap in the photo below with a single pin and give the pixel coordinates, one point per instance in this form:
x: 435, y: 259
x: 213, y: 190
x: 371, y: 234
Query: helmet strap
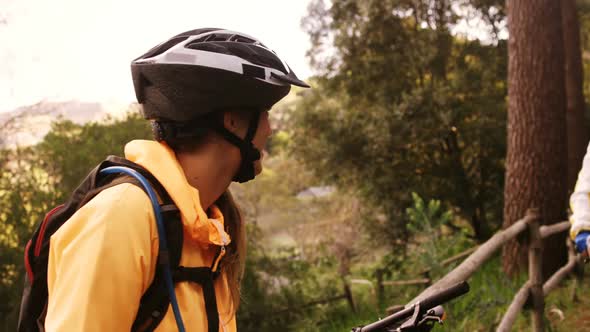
x: 249, y: 153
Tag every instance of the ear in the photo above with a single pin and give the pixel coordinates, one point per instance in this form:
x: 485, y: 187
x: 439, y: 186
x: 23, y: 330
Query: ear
x: 230, y: 121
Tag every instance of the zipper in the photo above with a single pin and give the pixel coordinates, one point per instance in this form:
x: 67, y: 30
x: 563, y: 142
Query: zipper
x: 218, y: 259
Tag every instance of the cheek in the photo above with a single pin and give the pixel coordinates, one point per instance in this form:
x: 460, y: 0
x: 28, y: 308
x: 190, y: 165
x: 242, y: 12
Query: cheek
x: 263, y: 132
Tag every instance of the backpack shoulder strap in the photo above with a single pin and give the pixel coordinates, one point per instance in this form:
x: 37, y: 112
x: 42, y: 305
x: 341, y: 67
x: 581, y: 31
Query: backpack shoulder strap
x: 155, y: 301
x: 158, y: 187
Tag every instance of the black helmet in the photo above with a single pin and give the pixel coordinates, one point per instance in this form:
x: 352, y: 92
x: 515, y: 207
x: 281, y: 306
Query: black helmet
x: 191, y: 75
x: 205, y: 70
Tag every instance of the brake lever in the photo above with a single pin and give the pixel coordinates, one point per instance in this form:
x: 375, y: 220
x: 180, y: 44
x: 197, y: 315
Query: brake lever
x: 435, y: 314
x: 413, y: 321
x: 418, y: 322
x: 410, y: 318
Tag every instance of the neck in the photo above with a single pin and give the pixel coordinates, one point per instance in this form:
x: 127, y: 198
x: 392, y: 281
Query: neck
x: 210, y: 169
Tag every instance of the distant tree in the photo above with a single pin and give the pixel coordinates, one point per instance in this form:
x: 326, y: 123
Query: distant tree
x: 536, y: 162
x: 401, y: 105
x: 92, y: 143
x: 35, y: 179
x: 24, y: 196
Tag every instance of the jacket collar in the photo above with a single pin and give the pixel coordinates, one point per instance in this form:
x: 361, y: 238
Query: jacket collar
x: 161, y: 161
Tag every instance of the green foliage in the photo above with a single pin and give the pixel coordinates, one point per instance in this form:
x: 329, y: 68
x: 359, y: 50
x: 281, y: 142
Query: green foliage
x: 92, y: 143
x: 404, y: 106
x: 284, y: 276
x: 276, y: 291
x: 25, y: 194
x: 426, y: 218
x: 35, y: 179
x: 406, y: 118
x: 434, y: 236
x: 433, y: 239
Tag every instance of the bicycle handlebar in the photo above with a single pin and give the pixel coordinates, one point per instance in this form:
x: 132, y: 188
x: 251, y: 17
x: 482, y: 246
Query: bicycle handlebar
x: 425, y: 305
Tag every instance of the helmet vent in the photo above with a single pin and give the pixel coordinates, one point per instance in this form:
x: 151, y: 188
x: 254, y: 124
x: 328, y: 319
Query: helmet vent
x: 242, y: 39
x: 163, y: 47
x: 253, y: 71
x: 218, y: 37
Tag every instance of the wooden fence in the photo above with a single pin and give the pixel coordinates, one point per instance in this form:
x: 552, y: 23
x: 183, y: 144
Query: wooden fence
x: 534, y: 288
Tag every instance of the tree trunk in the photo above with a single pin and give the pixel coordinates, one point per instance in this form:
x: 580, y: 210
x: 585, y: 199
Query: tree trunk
x: 443, y: 41
x: 577, y: 132
x: 536, y: 161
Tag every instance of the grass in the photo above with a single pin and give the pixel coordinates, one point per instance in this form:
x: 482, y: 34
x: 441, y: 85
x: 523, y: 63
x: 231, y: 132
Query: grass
x: 566, y: 308
x: 482, y: 309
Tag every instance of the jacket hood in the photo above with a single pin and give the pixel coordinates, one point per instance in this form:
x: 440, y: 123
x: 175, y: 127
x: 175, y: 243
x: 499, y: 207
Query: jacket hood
x: 161, y: 161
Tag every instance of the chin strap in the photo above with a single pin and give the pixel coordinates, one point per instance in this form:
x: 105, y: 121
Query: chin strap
x: 164, y: 131
x: 249, y: 153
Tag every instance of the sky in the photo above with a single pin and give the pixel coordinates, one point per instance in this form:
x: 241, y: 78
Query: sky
x: 81, y: 49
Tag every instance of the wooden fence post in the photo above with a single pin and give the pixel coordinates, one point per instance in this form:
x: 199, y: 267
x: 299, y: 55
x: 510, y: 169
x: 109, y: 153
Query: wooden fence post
x: 348, y: 295
x: 536, y: 272
x: 380, y: 288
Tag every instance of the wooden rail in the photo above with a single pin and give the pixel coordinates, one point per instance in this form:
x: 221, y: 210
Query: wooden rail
x: 515, y: 307
x: 554, y: 229
x: 470, y: 265
x: 451, y: 259
x: 572, y: 261
x: 423, y: 281
x: 533, y: 291
x: 548, y: 286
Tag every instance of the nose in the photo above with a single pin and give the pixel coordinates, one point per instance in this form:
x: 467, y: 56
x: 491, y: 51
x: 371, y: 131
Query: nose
x: 266, y: 125
x: 270, y: 130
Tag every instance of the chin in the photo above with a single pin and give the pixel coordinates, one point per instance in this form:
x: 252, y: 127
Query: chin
x: 257, y: 167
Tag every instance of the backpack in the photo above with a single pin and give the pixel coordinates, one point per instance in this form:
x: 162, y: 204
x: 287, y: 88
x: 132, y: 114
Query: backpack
x: 160, y: 294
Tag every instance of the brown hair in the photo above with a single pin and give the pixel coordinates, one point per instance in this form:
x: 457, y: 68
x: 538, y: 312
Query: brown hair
x: 233, y: 262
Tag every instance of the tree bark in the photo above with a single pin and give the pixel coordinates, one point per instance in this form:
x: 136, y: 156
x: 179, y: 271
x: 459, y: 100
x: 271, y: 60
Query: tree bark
x: 577, y: 131
x: 536, y: 161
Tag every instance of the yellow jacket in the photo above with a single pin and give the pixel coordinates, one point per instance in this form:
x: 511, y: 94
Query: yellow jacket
x: 103, y: 259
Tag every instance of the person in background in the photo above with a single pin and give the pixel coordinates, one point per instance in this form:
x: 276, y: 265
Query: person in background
x: 580, y: 206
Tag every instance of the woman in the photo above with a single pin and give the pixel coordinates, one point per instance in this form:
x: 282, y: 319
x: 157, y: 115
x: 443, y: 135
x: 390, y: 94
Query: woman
x: 207, y: 93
